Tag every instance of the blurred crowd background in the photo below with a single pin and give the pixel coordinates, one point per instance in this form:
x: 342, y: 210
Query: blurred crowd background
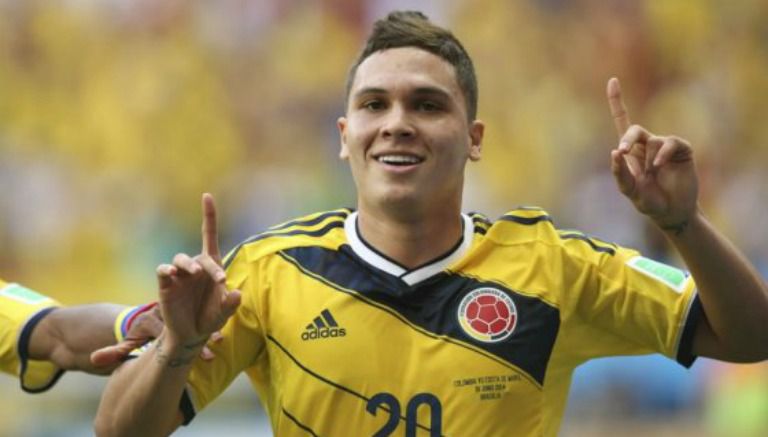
x: 116, y: 115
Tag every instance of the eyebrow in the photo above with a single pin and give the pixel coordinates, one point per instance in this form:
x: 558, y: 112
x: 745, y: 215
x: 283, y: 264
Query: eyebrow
x: 423, y: 90
x: 433, y: 91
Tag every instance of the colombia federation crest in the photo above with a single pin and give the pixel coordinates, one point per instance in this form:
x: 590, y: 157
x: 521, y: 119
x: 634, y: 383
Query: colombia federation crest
x: 487, y: 314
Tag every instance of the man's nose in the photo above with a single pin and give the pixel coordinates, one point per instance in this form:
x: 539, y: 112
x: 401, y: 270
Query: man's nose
x: 398, y: 124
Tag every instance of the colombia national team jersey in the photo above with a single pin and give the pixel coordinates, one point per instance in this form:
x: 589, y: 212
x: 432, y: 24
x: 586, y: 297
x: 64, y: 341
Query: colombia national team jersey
x: 339, y: 340
x: 20, y: 311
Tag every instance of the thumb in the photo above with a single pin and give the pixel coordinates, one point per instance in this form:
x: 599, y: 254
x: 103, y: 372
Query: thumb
x: 229, y: 303
x: 113, y: 355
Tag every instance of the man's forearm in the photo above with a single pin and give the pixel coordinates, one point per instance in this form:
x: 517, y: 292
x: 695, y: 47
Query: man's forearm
x: 142, y: 397
x: 67, y: 336
x: 733, y: 295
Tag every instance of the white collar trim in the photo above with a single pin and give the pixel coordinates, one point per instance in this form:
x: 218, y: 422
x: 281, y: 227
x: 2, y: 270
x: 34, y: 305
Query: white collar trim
x: 410, y: 277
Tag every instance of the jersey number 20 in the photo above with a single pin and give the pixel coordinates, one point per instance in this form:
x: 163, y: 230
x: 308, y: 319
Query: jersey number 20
x: 389, y: 402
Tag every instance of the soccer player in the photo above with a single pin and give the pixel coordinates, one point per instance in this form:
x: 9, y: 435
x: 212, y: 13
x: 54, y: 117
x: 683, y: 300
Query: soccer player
x: 406, y: 316
x: 40, y: 339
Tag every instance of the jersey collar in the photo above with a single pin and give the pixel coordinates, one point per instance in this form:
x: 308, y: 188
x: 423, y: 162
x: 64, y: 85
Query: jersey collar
x: 410, y: 277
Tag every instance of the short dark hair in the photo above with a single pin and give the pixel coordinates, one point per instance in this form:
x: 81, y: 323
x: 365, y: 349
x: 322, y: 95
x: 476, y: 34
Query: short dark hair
x: 413, y: 29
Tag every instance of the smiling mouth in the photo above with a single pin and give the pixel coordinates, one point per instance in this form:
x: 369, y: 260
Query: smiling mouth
x: 399, y: 159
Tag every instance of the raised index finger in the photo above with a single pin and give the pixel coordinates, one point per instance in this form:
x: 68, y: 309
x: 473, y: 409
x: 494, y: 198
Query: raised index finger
x: 616, y: 103
x: 209, y: 231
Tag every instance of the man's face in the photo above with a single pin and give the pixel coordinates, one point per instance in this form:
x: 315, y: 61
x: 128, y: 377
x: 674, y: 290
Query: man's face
x: 406, y: 134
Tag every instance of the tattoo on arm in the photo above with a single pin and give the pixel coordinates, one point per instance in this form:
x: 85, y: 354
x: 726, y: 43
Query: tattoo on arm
x: 187, y: 355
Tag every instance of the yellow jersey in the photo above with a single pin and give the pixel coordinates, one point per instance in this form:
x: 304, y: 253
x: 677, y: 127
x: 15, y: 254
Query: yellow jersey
x: 338, y: 340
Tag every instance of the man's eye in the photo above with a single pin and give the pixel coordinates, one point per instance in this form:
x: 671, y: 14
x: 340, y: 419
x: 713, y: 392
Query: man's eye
x: 428, y: 106
x: 373, y: 105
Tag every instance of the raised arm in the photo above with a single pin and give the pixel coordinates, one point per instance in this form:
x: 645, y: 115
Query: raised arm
x: 142, y: 397
x: 657, y: 173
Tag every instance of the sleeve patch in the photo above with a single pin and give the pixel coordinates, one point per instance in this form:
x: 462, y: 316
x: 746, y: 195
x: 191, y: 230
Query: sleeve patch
x: 23, y: 294
x: 671, y: 276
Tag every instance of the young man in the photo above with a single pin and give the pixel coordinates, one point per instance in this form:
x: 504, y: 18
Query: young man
x: 40, y: 339
x: 406, y: 316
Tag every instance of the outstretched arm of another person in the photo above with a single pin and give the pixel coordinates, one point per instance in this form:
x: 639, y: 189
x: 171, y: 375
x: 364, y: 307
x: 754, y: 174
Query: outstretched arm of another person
x: 141, y: 325
x: 83, y: 337
x: 142, y: 396
x: 67, y: 336
x: 658, y: 174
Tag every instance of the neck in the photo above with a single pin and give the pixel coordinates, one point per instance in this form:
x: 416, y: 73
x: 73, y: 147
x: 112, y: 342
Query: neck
x: 411, y: 240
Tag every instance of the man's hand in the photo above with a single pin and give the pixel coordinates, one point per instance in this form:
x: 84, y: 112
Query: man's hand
x: 193, y: 298
x: 656, y: 173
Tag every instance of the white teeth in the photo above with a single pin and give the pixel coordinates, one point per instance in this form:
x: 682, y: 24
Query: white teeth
x: 399, y: 159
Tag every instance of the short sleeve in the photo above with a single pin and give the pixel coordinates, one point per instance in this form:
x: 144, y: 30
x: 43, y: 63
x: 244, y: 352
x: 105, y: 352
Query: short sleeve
x: 621, y: 303
x: 21, y: 309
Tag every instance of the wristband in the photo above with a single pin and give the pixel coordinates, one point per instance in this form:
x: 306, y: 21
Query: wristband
x: 125, y: 319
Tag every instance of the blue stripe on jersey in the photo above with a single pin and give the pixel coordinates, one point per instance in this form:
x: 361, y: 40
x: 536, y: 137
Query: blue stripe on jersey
x: 316, y: 233
x: 426, y: 305
x: 299, y: 424
x: 481, y: 222
x: 526, y: 220
x: 311, y: 222
x: 591, y: 242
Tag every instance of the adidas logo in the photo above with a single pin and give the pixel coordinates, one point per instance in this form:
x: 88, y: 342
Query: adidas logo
x: 324, y: 326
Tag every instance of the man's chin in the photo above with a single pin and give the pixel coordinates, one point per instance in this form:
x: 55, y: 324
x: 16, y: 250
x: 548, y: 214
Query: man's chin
x: 413, y: 203
x: 399, y: 198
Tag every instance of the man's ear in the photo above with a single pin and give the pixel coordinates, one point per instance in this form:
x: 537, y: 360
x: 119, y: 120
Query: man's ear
x: 341, y: 123
x: 476, y: 132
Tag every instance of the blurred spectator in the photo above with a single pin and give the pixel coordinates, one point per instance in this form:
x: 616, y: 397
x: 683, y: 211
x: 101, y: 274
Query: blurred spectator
x: 115, y: 115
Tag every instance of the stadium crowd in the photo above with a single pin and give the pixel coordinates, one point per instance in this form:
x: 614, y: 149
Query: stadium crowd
x: 115, y: 116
